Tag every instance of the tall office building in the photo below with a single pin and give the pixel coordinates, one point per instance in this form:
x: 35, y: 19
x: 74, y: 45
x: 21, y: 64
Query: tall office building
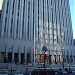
x: 0, y: 14
x: 36, y: 23
x: 0, y: 22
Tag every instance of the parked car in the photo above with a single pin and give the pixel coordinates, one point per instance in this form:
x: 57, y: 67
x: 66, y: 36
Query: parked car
x: 45, y: 71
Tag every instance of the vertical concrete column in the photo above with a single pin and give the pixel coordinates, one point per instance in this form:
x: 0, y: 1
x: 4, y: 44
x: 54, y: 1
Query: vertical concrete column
x: 19, y: 55
x: 12, y: 55
x: 26, y: 18
x: 6, y: 53
x: 24, y: 56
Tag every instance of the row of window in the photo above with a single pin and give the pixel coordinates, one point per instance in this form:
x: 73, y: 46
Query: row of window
x: 28, y: 31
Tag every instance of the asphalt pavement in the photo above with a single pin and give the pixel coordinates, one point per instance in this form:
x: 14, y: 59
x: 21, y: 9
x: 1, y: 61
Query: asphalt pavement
x: 21, y: 69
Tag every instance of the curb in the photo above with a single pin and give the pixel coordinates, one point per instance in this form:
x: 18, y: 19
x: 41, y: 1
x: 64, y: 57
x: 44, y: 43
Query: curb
x: 66, y: 72
x: 15, y: 74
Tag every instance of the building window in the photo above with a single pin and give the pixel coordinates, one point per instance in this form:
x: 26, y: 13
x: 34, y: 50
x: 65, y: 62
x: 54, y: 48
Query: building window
x: 33, y: 19
x: 59, y: 15
x: 64, y: 38
x: 52, y: 16
x: 64, y: 3
x: 62, y: 13
x: 18, y: 7
x: 63, y: 22
x: 57, y: 39
x: 23, y: 8
x: 61, y: 2
x: 48, y: 14
x: 13, y: 7
x: 23, y: 29
x: 18, y: 4
x: 38, y: 18
x: 23, y: 20
x: 43, y: 14
x: 60, y: 29
x: 65, y: 11
x: 7, y: 7
x: 71, y: 41
x: 17, y: 29
x: 5, y: 24
x: 28, y: 19
x: 58, y: 3
x: 53, y: 35
x: 68, y: 40
x: 11, y: 25
x: 55, y: 6
x: 56, y: 24
x: 51, y: 2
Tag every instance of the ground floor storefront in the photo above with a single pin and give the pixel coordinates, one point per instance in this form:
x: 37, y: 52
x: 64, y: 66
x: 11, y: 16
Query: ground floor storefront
x: 56, y: 59
x: 15, y: 57
x: 39, y: 58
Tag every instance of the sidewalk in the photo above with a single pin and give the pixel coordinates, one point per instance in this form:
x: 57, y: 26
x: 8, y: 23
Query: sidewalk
x: 23, y: 68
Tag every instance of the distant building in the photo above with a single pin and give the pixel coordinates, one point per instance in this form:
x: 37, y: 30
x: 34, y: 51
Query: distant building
x: 28, y: 25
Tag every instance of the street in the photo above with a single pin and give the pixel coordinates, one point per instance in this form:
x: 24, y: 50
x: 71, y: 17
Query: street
x: 70, y: 74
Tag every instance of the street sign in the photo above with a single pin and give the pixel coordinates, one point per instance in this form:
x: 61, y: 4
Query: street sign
x: 44, y: 48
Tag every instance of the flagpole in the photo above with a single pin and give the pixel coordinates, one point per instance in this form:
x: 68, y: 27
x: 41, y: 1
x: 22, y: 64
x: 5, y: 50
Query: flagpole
x: 34, y: 42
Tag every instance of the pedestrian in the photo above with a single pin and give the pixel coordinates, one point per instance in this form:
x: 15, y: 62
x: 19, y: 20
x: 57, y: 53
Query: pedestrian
x: 11, y: 70
x: 27, y: 69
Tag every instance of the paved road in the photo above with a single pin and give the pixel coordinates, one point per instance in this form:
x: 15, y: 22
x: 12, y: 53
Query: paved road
x: 30, y: 67
x: 69, y: 74
x: 24, y: 74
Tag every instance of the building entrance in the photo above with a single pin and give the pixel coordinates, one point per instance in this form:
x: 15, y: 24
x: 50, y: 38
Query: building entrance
x: 9, y: 56
x: 16, y: 57
x: 28, y: 58
x: 22, y: 58
x: 3, y: 56
x: 50, y: 59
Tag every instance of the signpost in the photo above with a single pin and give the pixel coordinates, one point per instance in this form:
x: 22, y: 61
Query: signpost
x: 44, y: 48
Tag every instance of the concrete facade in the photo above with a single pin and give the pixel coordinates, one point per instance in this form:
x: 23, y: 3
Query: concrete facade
x: 0, y: 22
x: 46, y: 21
